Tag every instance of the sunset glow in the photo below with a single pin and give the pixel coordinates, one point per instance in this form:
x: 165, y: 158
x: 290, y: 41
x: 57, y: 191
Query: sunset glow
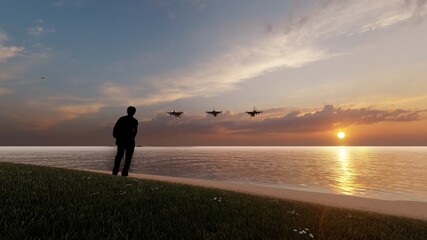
x: 312, y: 68
x: 341, y: 135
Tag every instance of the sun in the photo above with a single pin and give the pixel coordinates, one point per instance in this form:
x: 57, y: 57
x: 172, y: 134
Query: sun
x: 341, y: 134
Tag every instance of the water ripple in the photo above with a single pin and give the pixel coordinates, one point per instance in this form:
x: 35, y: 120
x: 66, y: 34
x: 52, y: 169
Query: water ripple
x: 396, y: 173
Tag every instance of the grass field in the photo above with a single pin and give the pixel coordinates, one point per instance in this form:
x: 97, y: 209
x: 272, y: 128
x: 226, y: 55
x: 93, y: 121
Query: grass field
x: 49, y: 203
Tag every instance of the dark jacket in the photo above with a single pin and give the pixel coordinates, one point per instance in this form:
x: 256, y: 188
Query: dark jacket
x: 125, y: 130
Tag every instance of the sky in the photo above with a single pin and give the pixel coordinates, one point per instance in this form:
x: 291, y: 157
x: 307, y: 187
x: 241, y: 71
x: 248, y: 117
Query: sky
x: 70, y: 68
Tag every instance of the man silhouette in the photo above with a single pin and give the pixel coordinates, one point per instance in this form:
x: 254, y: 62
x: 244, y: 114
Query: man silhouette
x: 124, y: 132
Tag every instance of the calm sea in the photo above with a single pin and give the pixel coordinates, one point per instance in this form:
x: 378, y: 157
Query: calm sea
x: 393, y: 173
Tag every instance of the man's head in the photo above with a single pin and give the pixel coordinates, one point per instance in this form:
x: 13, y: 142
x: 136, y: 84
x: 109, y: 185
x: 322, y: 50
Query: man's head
x: 131, y: 111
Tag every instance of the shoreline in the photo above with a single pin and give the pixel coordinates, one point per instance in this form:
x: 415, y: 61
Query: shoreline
x: 410, y: 209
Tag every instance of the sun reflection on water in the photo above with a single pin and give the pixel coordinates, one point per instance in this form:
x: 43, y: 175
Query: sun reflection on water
x: 390, y: 173
x: 345, y: 175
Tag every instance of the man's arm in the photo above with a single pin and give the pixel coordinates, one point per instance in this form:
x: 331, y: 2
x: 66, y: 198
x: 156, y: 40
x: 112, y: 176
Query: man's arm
x: 135, y: 130
x: 116, y: 129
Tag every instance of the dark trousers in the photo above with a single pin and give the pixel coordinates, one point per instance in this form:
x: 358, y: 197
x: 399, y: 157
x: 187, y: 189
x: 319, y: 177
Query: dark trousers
x: 121, y: 149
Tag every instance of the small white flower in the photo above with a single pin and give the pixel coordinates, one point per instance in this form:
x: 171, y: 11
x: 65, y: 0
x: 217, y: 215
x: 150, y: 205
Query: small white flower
x: 311, y: 235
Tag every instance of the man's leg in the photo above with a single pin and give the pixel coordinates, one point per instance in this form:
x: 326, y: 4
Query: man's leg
x: 118, y: 159
x: 129, y: 153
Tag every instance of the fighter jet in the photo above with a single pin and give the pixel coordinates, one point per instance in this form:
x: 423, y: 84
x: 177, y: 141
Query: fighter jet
x: 254, y: 112
x: 214, y: 113
x: 175, y: 114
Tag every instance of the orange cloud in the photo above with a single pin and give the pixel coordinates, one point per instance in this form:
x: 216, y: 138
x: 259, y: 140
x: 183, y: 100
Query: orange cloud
x: 326, y: 119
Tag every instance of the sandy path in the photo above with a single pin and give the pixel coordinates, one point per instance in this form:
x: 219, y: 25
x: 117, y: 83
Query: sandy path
x: 398, y: 208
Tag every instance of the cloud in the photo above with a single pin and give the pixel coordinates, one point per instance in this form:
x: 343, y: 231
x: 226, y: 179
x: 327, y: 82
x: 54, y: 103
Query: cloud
x: 193, y: 3
x: 418, y: 6
x: 410, y: 9
x: 43, y: 113
x: 4, y: 91
x: 7, y: 52
x: 17, y: 70
x: 72, y: 111
x: 294, y: 41
x: 225, y: 71
x: 330, y: 118
x: 52, y: 113
x: 38, y: 29
x: 79, y: 127
x: 72, y: 3
x: 216, y: 75
x: 326, y: 119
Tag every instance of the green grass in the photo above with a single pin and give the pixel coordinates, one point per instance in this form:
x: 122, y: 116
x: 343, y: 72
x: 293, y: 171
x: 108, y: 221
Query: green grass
x: 49, y: 203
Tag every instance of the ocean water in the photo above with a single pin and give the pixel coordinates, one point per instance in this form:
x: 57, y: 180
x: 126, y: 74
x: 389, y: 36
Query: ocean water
x: 391, y: 173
